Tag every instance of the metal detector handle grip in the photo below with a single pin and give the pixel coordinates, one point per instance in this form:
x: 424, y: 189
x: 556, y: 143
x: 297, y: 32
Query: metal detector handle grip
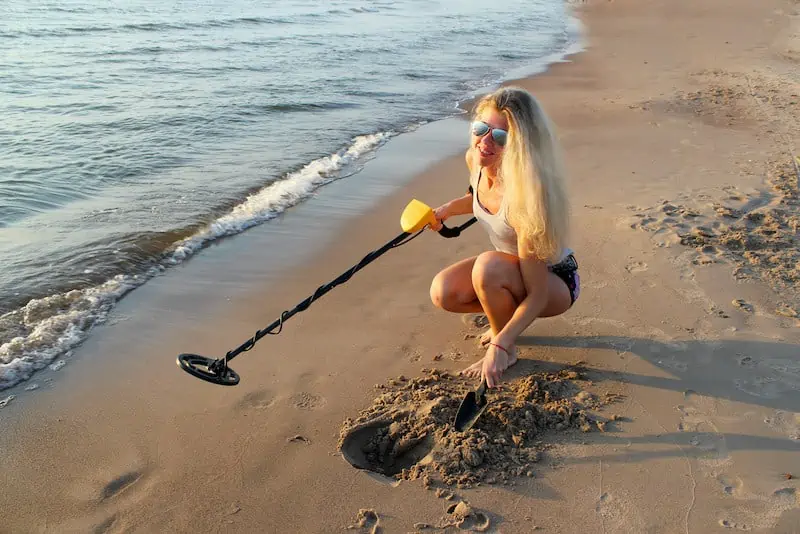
x: 446, y: 231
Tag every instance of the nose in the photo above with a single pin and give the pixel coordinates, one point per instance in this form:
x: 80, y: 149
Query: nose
x: 487, y: 139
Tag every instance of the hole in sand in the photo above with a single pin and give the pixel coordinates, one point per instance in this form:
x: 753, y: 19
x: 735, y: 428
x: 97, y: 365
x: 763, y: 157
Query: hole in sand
x: 407, y: 434
x: 382, y: 447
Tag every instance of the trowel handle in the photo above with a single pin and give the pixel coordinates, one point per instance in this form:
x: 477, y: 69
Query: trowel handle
x: 480, y: 393
x: 456, y: 230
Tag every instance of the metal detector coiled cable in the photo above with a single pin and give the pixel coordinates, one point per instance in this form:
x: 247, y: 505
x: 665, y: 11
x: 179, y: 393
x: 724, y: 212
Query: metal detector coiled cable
x: 218, y: 372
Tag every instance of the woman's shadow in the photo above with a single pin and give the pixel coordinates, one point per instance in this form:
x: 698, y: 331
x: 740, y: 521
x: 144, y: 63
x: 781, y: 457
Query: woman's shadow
x: 751, y: 372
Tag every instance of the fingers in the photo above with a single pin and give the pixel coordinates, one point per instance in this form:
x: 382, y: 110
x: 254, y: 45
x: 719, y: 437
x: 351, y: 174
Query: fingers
x: 472, y: 373
x: 492, y: 375
x: 492, y: 369
x: 439, y: 217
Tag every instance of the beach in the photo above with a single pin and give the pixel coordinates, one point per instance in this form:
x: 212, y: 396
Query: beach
x: 673, y: 384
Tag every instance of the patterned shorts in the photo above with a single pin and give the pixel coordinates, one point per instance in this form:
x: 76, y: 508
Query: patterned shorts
x: 567, y: 270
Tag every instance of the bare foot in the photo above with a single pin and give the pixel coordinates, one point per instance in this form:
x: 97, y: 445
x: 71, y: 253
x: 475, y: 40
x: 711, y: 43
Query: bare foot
x: 485, y: 338
x: 474, y: 370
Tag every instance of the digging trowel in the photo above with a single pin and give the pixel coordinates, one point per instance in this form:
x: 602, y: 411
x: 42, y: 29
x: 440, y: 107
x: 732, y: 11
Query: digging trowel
x: 471, y: 408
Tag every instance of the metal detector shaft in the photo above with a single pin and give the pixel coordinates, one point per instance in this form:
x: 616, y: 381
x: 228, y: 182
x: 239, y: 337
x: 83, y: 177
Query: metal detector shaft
x: 342, y: 278
x: 218, y: 372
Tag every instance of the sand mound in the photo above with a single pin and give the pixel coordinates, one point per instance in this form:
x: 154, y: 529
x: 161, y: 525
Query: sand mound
x: 407, y: 432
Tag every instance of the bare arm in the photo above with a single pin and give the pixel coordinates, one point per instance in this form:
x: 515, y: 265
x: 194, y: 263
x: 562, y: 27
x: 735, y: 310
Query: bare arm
x: 457, y: 206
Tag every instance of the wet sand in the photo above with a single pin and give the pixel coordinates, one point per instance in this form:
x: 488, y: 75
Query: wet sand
x: 677, y: 370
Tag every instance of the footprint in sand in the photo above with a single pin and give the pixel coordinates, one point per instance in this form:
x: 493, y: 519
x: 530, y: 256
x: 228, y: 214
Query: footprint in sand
x: 618, y: 513
x: 307, y: 401
x: 763, y: 387
x: 746, y: 361
x: 712, y: 447
x: 410, y: 353
x: 464, y: 517
x: 475, y: 320
x: 730, y: 486
x: 636, y: 267
x: 604, y: 498
x: 787, y: 423
x: 674, y: 365
x: 727, y: 523
x: 788, y: 494
x: 367, y: 521
x: 258, y: 400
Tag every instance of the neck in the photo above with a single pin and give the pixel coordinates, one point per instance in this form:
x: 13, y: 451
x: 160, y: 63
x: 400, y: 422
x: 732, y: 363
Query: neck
x: 491, y: 175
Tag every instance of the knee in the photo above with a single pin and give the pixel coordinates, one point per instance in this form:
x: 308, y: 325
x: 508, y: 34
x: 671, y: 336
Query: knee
x: 439, y: 291
x: 445, y: 293
x: 489, y: 272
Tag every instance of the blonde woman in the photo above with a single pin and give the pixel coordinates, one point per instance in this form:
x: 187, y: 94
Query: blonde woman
x: 517, y: 192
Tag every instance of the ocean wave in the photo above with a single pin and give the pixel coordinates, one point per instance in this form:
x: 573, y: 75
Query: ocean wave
x: 189, y: 25
x: 47, y: 328
x: 50, y: 327
x: 290, y: 107
x: 274, y: 199
x: 145, y: 27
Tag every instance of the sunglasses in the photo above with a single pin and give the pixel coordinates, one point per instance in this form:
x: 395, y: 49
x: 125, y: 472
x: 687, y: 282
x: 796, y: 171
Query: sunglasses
x: 480, y: 128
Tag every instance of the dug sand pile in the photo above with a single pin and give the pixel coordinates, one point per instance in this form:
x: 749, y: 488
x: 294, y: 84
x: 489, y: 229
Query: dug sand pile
x: 407, y: 434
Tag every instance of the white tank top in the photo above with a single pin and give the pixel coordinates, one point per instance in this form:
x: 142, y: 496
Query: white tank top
x: 502, y: 236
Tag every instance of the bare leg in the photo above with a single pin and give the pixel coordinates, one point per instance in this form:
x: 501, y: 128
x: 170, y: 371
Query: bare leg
x: 452, y: 290
x: 498, y: 284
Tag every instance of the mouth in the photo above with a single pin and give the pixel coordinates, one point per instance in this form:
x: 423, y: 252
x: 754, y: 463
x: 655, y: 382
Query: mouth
x: 484, y: 152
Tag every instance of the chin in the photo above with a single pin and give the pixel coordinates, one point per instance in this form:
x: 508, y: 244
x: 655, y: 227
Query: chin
x: 487, y: 161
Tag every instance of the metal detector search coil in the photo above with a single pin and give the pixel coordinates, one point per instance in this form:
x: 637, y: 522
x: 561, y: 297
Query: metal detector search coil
x: 416, y: 216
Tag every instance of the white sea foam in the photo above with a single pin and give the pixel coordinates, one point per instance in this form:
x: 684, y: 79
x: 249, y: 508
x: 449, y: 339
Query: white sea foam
x: 48, y: 328
x: 274, y: 199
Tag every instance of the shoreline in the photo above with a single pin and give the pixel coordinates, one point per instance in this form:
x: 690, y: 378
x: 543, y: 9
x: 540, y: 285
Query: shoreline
x: 364, y: 188
x: 713, y: 426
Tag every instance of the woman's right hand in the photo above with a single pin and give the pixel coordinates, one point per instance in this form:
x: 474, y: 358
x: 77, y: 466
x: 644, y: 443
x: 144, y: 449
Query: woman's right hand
x: 440, y: 214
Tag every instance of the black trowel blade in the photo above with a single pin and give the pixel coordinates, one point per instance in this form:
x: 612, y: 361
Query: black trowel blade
x: 471, y: 408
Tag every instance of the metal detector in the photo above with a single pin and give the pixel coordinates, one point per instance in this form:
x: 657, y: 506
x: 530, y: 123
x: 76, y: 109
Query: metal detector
x: 416, y: 216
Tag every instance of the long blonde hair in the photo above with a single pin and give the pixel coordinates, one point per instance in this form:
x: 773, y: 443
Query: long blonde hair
x: 532, y: 173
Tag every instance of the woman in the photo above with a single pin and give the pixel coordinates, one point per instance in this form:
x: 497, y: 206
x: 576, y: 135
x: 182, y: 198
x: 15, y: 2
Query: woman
x: 517, y: 192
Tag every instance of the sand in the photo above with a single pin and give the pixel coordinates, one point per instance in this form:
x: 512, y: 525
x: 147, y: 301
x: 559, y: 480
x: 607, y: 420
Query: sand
x: 680, y: 127
x: 407, y: 432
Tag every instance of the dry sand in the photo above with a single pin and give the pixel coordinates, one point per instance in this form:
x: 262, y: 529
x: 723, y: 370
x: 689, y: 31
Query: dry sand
x: 680, y: 124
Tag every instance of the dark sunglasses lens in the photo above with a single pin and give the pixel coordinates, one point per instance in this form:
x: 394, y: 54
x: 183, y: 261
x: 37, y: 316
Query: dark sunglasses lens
x: 500, y: 137
x: 479, y: 128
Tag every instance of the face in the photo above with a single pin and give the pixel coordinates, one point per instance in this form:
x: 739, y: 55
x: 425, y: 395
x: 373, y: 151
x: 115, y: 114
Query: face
x: 487, y: 148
